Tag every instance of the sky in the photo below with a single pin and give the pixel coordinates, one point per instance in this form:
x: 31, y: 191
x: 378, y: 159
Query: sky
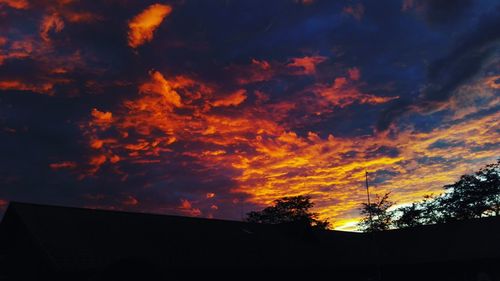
x: 217, y: 108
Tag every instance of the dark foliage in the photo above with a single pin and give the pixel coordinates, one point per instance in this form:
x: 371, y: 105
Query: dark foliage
x: 410, y: 216
x: 472, y: 196
x: 289, y: 209
x: 376, y: 216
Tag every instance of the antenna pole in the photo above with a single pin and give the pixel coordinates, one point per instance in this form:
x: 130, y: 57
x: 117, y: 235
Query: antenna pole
x: 368, y: 196
x: 374, y: 244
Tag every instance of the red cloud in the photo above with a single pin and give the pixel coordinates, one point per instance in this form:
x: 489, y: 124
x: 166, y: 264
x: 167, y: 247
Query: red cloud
x: 234, y: 99
x: 256, y: 71
x: 16, y: 4
x: 101, y: 117
x: 142, y: 26
x: 130, y: 201
x: 17, y: 49
x: 50, y: 22
x: 493, y: 82
x: 45, y: 88
x: 160, y: 86
x: 187, y: 208
x: 306, y: 65
x: 264, y: 155
x: 262, y: 64
x: 342, y: 93
x: 81, y: 17
x: 63, y: 165
x: 354, y: 73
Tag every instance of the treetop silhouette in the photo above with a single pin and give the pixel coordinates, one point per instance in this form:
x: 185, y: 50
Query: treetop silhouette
x: 474, y: 195
x: 289, y: 209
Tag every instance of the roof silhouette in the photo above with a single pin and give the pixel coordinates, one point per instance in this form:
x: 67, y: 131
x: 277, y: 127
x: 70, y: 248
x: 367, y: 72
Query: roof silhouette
x: 69, y: 240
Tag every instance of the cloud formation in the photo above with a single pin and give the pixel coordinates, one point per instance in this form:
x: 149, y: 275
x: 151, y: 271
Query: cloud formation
x: 223, y: 112
x: 142, y: 26
x: 50, y: 23
x: 438, y: 12
x: 16, y: 4
x: 476, y: 51
x: 306, y: 65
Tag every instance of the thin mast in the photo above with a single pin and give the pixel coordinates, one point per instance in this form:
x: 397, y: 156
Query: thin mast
x: 368, y: 196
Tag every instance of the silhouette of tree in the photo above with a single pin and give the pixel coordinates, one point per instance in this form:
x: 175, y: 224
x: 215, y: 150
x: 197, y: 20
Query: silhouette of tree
x: 376, y: 216
x: 490, y: 182
x: 427, y: 211
x: 289, y: 209
x: 432, y: 209
x: 473, y: 196
x: 410, y: 216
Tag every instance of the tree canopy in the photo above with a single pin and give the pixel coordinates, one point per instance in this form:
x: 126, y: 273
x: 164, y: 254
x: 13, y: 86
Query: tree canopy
x: 474, y: 195
x: 289, y: 209
x: 376, y: 215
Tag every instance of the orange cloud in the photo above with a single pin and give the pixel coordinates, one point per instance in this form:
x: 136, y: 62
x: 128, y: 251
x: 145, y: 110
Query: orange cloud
x: 45, y: 88
x: 265, y: 146
x: 160, y: 86
x: 115, y: 159
x: 234, y: 99
x: 130, y: 201
x: 16, y: 4
x: 307, y: 65
x: 316, y: 166
x: 52, y: 67
x: 49, y: 23
x: 256, y: 71
x: 17, y: 50
x: 341, y: 94
x: 101, y: 117
x: 262, y: 64
x: 493, y: 82
x: 185, y: 204
x: 270, y: 160
x: 81, y: 17
x: 354, y: 73
x: 96, y: 144
x: 97, y: 160
x: 188, y: 209
x: 63, y: 165
x: 142, y: 26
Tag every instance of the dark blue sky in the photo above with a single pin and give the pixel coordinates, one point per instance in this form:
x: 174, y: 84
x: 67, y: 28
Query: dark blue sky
x: 215, y: 108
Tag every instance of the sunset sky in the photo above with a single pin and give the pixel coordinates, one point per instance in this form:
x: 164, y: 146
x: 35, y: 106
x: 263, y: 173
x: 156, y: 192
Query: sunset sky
x: 216, y: 108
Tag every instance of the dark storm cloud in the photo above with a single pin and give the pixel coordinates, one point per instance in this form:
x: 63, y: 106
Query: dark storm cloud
x: 438, y: 12
x: 37, y: 130
x: 471, y: 53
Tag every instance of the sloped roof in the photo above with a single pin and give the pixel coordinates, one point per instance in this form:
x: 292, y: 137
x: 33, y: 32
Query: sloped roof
x: 75, y: 238
x: 452, y: 241
x: 79, y: 239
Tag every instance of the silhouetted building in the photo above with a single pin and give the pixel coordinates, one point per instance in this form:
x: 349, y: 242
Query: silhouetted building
x: 58, y: 243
